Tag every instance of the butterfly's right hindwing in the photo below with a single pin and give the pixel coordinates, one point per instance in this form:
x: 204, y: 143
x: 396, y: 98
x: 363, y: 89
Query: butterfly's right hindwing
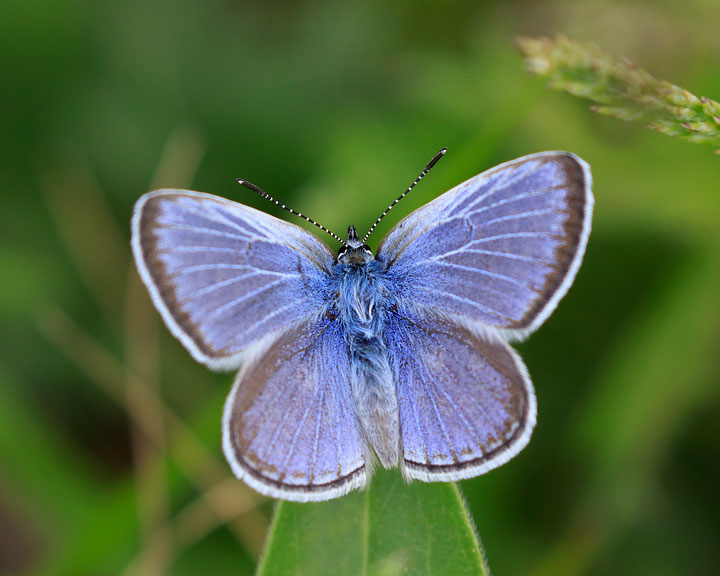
x: 466, y: 402
x: 225, y: 276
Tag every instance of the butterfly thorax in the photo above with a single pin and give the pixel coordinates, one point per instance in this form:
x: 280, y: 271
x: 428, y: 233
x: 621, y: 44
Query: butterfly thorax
x: 362, y: 290
x: 362, y: 304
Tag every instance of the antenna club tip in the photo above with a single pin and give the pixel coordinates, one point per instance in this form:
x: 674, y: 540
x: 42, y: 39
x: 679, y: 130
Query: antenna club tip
x: 240, y: 180
x: 443, y: 151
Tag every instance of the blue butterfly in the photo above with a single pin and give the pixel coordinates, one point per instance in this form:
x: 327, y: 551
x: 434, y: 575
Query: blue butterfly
x: 401, y: 356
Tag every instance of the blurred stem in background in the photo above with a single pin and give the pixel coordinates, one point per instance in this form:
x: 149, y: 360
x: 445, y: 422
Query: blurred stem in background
x: 621, y: 89
x: 159, y: 436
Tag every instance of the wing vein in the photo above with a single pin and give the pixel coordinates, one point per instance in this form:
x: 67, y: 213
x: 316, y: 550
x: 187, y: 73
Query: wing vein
x: 465, y: 301
x: 222, y: 284
x: 188, y: 248
x: 474, y: 431
x: 318, y: 414
x: 244, y: 297
x: 219, y: 266
x: 437, y: 413
x: 527, y: 214
x: 508, y: 255
x: 209, y: 231
x: 291, y: 448
x: 513, y: 235
x: 269, y: 317
x: 465, y: 250
x: 496, y: 275
x: 214, y: 213
x: 503, y: 183
x: 524, y: 196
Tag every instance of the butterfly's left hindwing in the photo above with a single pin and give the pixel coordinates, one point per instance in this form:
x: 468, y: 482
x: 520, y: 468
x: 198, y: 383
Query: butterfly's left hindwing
x: 226, y: 277
x: 289, y: 428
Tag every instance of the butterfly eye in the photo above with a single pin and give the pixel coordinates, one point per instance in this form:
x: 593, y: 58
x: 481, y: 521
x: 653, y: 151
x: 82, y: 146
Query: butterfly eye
x: 342, y: 252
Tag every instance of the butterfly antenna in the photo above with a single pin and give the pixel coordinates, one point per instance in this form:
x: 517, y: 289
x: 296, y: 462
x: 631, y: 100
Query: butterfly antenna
x: 422, y: 175
x: 260, y: 192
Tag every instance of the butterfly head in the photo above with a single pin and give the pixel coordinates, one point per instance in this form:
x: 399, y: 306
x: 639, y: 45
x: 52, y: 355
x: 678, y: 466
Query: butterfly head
x: 354, y: 251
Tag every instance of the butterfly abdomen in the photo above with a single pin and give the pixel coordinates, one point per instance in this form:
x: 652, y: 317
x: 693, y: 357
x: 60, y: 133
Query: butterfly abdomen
x: 362, y: 305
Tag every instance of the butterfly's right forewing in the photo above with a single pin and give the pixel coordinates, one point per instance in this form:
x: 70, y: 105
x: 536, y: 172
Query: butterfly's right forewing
x: 502, y: 248
x: 226, y: 277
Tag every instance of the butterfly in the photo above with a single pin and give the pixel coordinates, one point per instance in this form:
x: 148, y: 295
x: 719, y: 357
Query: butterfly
x: 400, y: 356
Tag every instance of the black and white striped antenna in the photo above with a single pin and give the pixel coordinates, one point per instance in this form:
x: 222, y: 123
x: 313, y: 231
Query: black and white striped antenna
x: 260, y: 192
x: 422, y: 175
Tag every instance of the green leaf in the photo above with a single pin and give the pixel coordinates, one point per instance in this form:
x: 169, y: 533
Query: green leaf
x: 391, y: 528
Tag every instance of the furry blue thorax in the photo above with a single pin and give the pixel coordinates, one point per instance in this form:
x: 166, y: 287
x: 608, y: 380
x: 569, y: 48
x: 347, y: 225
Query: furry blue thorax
x: 362, y: 298
x: 362, y: 305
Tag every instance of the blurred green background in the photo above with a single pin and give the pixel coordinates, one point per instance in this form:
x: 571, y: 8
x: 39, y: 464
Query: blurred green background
x: 110, y: 459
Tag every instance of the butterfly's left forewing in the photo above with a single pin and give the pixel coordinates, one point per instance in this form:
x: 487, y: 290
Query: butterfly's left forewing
x: 225, y: 277
x: 466, y: 402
